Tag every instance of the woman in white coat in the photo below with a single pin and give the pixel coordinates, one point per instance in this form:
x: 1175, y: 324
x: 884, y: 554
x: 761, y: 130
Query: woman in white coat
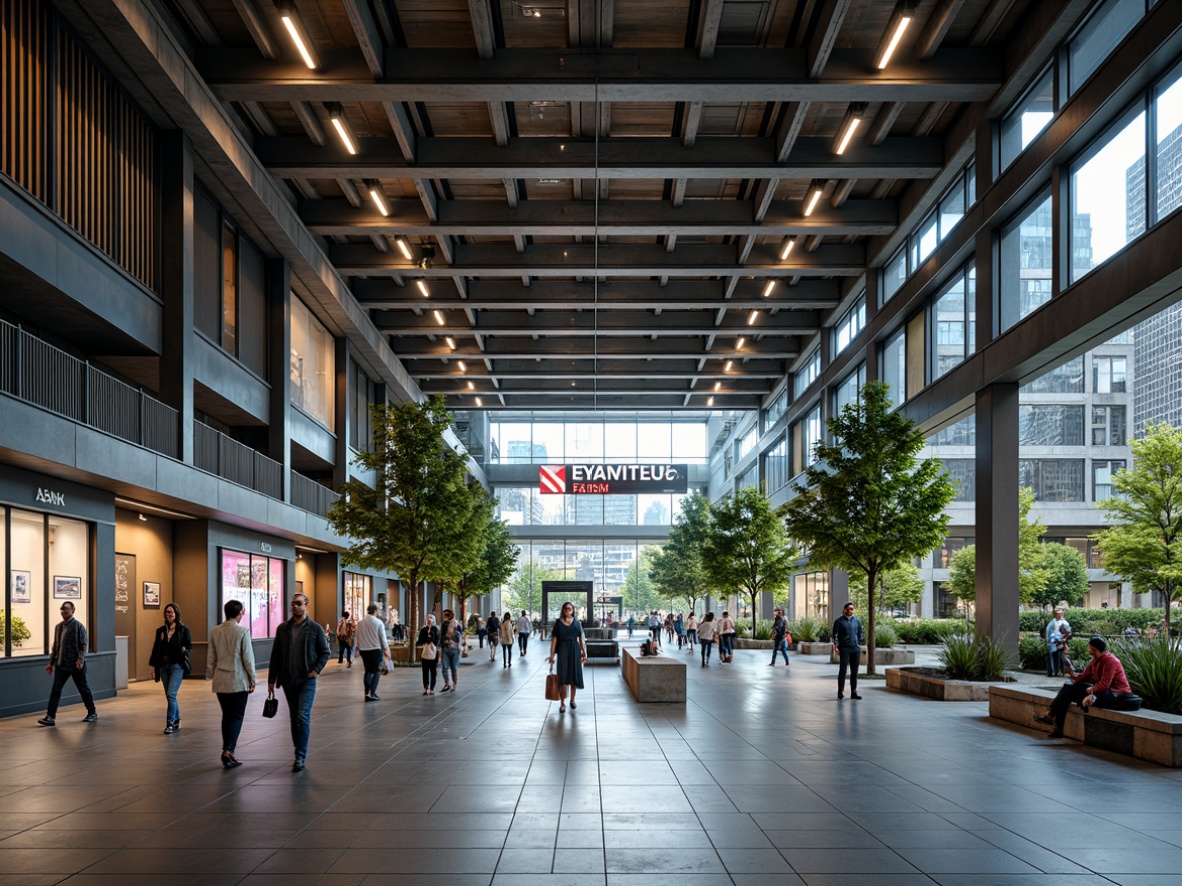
x: 230, y: 664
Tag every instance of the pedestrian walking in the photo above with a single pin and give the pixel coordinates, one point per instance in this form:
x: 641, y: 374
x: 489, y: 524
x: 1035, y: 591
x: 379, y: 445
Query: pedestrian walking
x: 847, y: 643
x: 346, y: 629
x: 508, y: 630
x: 691, y: 631
x: 523, y: 631
x: 298, y: 655
x: 428, y: 644
x: 170, y: 662
x: 726, y: 638
x: 229, y: 664
x: 67, y: 661
x: 370, y: 638
x: 779, y: 637
x: 568, y: 644
x: 494, y: 635
x: 706, y: 632
x: 451, y: 634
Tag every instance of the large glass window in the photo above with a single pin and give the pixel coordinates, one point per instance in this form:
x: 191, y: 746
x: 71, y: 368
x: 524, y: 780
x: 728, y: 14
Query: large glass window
x: 849, y: 389
x: 894, y: 275
x: 894, y: 366
x: 924, y: 240
x: 963, y: 474
x: 1167, y: 147
x: 1102, y: 472
x: 256, y: 582
x: 1108, y: 197
x: 1109, y: 426
x: 954, y: 322
x: 34, y: 590
x: 775, y: 467
x: 942, y: 558
x: 1029, y: 117
x: 1026, y: 263
x: 312, y: 361
x: 1108, y: 375
x: 358, y: 593
x: 1100, y: 35
x: 952, y: 208
x: 1053, y: 479
x: 1050, y: 425
x: 776, y: 410
x: 807, y: 374
x: 361, y: 398
x: 963, y: 433
x: 1065, y: 379
x: 812, y: 434
x: 848, y: 327
x: 810, y: 595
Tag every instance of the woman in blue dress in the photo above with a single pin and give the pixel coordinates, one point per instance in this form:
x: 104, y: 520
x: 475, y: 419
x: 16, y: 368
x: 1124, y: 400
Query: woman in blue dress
x: 566, y: 639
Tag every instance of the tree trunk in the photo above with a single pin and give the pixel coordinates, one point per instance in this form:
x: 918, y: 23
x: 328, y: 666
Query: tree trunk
x: 870, y: 576
x: 412, y: 621
x: 1169, y: 600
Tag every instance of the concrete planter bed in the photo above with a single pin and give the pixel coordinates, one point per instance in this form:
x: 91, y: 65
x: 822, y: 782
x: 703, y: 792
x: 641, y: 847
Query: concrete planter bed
x: 930, y: 683
x: 815, y: 648
x: 742, y: 643
x: 889, y: 656
x: 1146, y: 735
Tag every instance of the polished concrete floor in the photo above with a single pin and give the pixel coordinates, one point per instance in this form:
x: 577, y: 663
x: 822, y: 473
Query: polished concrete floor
x: 762, y: 779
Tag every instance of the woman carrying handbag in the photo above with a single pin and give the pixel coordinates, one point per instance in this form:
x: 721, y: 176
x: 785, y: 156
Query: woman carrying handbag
x: 569, y: 646
x: 428, y: 644
x: 170, y: 662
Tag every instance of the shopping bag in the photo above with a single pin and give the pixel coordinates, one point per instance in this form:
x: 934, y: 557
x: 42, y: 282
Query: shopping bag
x: 552, y: 688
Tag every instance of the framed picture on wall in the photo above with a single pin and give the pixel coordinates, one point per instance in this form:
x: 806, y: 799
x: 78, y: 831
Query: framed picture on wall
x: 151, y: 593
x: 21, y: 586
x: 67, y: 587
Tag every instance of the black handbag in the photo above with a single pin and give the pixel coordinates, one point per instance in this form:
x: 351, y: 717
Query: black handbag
x: 270, y: 706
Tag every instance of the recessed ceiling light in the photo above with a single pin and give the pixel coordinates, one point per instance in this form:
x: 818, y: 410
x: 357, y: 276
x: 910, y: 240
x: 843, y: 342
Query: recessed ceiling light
x: 422, y: 284
x: 463, y: 366
x: 451, y: 342
x: 767, y: 290
x: 438, y: 317
x: 404, y: 248
x: 751, y: 318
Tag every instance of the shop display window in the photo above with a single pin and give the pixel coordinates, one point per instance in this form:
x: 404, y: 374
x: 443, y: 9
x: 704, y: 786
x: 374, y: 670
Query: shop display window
x: 257, y: 583
x: 36, y: 593
x: 358, y: 594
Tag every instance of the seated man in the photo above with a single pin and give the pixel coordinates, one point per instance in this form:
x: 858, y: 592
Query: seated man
x: 1102, y: 683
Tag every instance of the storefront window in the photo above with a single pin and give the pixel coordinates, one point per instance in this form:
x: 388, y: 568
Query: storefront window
x: 810, y: 595
x: 311, y: 365
x: 257, y: 583
x: 358, y: 593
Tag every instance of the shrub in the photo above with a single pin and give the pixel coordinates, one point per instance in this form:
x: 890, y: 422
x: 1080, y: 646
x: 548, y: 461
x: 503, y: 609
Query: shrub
x: 1032, y: 653
x: 763, y: 629
x: 927, y: 630
x: 1154, y: 669
x: 992, y: 659
x: 808, y: 630
x: 1088, y: 622
x: 885, y: 636
x: 959, y: 656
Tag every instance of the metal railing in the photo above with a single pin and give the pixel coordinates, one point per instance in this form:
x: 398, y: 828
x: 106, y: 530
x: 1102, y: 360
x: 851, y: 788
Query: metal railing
x: 218, y: 454
x: 36, y: 372
x: 311, y: 496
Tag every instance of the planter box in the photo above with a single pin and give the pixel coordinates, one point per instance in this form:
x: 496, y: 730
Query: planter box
x: 890, y: 656
x: 815, y: 648
x: 654, y: 678
x: 920, y: 681
x: 753, y: 644
x: 1146, y: 735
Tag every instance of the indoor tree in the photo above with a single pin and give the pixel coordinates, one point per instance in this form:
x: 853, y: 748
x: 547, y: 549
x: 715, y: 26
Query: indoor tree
x: 1032, y: 567
x: 896, y: 588
x: 677, y: 570
x: 1066, y: 576
x: 746, y: 551
x: 869, y: 503
x: 495, y: 561
x: 1144, y: 546
x: 421, y: 506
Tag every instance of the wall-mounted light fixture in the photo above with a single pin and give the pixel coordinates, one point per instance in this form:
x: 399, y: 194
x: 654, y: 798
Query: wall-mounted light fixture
x: 901, y: 18
x: 295, y: 29
x: 816, y: 188
x: 378, y: 196
x: 849, y: 126
x: 336, y: 113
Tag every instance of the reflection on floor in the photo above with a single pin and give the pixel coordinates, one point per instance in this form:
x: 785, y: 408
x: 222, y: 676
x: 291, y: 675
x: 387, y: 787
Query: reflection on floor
x: 762, y: 779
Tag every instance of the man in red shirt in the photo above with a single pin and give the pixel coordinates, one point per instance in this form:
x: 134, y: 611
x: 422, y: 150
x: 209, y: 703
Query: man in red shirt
x: 1102, y: 683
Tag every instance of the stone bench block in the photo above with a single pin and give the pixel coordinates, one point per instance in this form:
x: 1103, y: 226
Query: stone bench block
x: 654, y: 678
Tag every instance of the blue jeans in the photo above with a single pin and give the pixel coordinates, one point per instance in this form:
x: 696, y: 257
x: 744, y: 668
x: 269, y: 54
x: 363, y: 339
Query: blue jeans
x: 170, y: 678
x: 706, y: 646
x: 781, y: 646
x: 299, y: 697
x: 451, y: 662
x: 233, y: 706
x: 726, y: 645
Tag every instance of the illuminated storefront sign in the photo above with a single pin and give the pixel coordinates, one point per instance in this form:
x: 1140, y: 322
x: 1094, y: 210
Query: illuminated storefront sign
x: 612, y: 479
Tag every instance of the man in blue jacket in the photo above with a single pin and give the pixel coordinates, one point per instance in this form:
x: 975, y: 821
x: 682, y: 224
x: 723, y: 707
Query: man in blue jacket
x: 847, y: 642
x: 298, y: 655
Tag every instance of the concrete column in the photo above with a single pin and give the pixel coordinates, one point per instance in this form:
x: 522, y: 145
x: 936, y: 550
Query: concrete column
x: 839, y: 594
x: 997, y: 513
x: 279, y: 368
x: 176, y: 284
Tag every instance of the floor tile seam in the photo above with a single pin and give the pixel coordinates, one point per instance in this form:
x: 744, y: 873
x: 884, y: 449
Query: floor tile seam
x: 1039, y: 845
x: 541, y: 728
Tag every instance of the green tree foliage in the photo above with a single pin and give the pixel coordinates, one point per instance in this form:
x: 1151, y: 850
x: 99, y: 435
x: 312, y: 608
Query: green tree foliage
x: 1145, y: 547
x: 496, y: 562
x: 869, y: 504
x: 1066, y: 576
x: 746, y: 551
x: 1032, y: 568
x: 417, y: 521
x: 524, y: 590
x: 677, y: 570
x: 639, y: 593
x: 896, y: 588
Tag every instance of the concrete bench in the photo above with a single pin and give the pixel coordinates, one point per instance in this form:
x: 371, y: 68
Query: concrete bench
x: 654, y: 678
x: 602, y: 650
x: 1146, y: 735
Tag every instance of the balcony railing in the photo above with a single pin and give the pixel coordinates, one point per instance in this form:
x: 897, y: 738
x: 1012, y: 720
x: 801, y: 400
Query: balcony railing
x: 36, y: 372
x: 213, y: 451
x: 311, y: 496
